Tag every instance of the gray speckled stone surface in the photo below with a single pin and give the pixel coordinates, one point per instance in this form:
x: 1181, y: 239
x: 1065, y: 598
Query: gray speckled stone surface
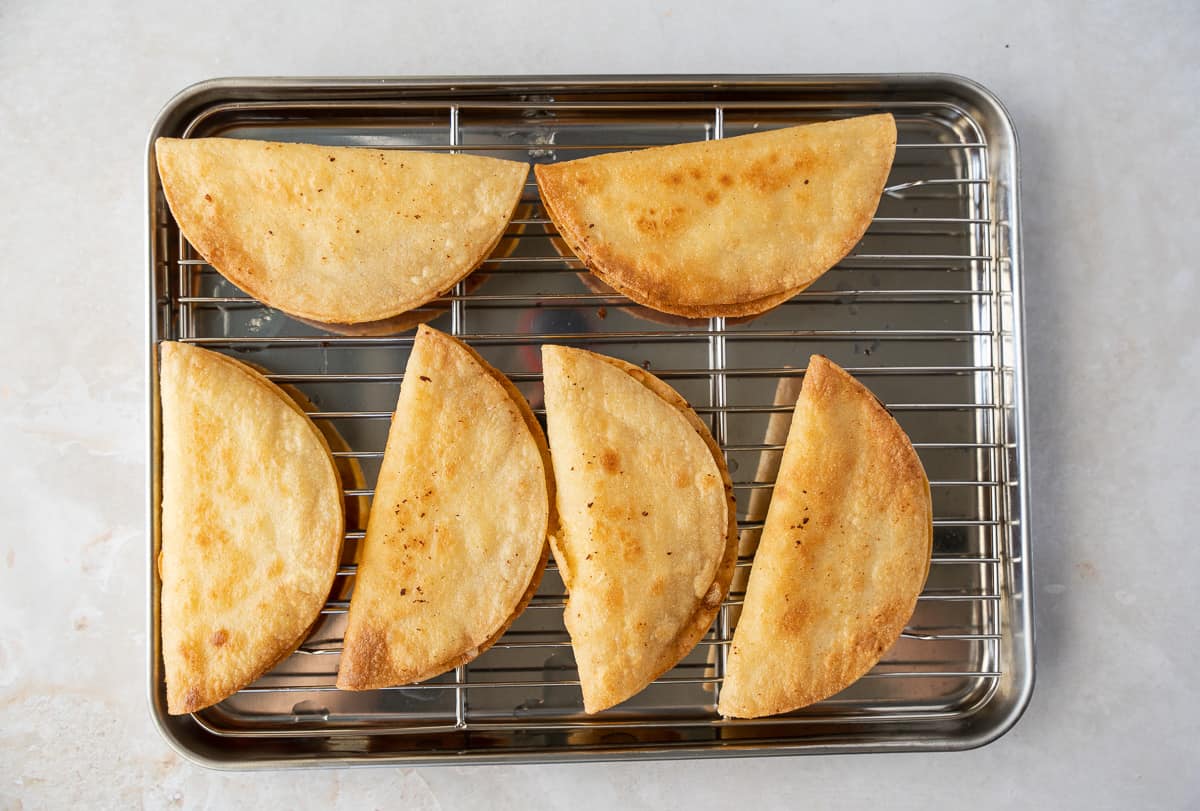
x: 1104, y: 98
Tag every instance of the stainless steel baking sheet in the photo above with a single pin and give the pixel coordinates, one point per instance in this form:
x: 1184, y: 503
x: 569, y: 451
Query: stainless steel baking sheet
x: 926, y: 311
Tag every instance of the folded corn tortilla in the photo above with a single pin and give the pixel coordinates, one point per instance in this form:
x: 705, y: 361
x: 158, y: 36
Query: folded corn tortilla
x: 730, y: 227
x: 843, y: 555
x: 252, y: 525
x: 648, y: 537
x: 456, y: 542
x: 338, y: 235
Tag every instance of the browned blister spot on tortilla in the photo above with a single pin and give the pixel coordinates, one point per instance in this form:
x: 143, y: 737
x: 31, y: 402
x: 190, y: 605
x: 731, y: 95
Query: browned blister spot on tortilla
x: 763, y: 177
x: 804, y: 162
x: 794, y: 617
x: 192, y: 700
x: 610, y: 461
x: 632, y: 548
x: 368, y: 654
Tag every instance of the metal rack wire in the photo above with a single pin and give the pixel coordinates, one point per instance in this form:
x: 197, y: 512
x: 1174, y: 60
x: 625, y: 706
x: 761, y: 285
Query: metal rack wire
x: 919, y: 311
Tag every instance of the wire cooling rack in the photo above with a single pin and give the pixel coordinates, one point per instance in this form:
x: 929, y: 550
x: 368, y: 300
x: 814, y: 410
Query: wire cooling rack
x: 924, y: 311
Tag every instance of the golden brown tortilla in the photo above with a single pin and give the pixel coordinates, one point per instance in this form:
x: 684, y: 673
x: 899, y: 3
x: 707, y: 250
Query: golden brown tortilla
x: 432, y: 309
x: 338, y: 235
x: 351, y: 474
x: 457, y: 538
x: 597, y: 285
x: 730, y: 227
x: 252, y: 525
x: 649, y: 531
x: 842, y: 558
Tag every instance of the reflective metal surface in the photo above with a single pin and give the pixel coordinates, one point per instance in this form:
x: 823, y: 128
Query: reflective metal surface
x: 925, y: 311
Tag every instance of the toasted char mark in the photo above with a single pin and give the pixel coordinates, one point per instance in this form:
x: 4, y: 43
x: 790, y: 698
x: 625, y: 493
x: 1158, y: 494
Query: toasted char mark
x: 191, y: 699
x: 660, y: 223
x: 219, y: 637
x: 794, y: 619
x: 647, y: 223
x: 764, y: 176
x: 610, y: 461
x: 614, y: 598
x: 370, y: 663
x: 677, y: 178
x: 632, y: 550
x: 803, y: 164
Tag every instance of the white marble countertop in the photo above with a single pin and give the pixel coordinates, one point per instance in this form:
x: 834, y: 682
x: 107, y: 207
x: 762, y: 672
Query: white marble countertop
x: 1104, y: 99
